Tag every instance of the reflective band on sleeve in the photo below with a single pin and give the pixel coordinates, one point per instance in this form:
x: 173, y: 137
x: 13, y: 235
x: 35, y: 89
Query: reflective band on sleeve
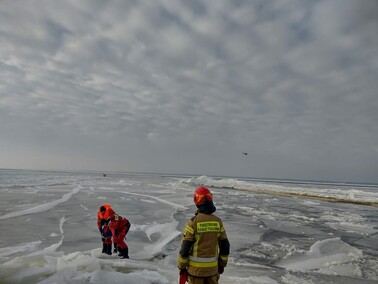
x: 182, y: 262
x: 210, y: 226
x: 188, y: 229
x: 224, y: 258
x: 183, y: 259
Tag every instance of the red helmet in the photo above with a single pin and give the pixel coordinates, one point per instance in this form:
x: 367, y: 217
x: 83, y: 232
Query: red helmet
x: 202, y: 195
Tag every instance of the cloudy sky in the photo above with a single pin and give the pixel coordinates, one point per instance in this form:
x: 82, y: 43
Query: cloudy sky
x: 187, y: 86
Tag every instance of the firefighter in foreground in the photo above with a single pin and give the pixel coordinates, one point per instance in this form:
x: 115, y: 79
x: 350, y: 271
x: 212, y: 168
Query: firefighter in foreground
x: 205, y: 247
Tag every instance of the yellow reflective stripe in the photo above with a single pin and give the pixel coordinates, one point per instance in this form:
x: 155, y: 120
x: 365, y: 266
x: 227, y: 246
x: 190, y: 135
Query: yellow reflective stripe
x: 222, y: 229
x: 188, y: 229
x: 183, y: 260
x: 225, y: 258
x: 116, y: 217
x: 203, y: 264
x: 209, y: 226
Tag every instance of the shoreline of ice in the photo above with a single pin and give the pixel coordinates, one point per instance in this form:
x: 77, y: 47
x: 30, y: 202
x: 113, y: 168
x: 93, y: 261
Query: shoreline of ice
x: 329, y: 194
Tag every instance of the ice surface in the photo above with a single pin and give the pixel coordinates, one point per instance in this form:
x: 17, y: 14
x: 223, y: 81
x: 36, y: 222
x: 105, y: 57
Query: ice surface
x: 23, y: 247
x: 274, y: 239
x: 326, y: 255
x: 42, y: 207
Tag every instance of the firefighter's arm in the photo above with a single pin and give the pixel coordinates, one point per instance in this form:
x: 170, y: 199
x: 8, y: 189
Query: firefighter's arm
x: 224, y: 248
x: 186, y: 246
x: 224, y: 251
x: 183, y: 258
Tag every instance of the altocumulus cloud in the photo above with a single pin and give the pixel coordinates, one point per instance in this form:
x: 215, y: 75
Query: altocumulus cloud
x: 186, y: 86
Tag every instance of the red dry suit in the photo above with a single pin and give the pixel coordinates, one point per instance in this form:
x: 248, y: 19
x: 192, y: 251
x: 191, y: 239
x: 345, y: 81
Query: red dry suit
x: 119, y: 226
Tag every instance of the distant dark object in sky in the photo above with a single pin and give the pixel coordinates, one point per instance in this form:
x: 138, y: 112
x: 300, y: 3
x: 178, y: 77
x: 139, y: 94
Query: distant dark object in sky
x: 245, y: 153
x: 104, y: 175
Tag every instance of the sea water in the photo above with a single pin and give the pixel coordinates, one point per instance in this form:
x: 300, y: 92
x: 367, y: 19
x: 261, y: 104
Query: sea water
x: 280, y: 231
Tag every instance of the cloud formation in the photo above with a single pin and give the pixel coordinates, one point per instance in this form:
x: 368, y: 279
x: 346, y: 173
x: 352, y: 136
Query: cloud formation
x: 186, y: 86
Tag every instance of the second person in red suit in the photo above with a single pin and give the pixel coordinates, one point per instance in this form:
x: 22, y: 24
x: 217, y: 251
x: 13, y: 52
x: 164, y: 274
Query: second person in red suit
x: 119, y: 227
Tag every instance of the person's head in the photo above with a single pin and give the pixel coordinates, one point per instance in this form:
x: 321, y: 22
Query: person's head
x: 102, y: 209
x: 202, y: 195
x: 203, y: 199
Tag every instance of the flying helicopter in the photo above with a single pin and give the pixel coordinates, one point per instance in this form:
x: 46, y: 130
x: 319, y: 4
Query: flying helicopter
x: 245, y: 153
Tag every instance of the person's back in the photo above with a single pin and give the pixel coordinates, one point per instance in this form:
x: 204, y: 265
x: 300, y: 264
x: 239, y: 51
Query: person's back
x: 199, y: 256
x: 119, y: 226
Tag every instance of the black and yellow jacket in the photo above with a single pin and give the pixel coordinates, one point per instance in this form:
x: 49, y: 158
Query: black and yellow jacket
x: 204, y: 245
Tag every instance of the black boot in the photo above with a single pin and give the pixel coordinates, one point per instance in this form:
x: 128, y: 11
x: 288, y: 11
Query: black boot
x: 125, y: 253
x: 119, y: 249
x: 109, y: 249
x: 115, y: 249
x: 104, y: 248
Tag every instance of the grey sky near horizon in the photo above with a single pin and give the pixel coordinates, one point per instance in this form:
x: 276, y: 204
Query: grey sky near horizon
x: 187, y: 86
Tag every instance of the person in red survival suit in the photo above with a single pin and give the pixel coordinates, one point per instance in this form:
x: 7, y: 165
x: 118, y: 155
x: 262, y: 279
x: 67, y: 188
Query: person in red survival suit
x: 104, y: 213
x: 119, y: 226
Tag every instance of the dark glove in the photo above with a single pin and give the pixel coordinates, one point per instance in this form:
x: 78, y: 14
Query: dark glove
x: 220, y: 269
x: 183, y: 271
x: 102, y: 239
